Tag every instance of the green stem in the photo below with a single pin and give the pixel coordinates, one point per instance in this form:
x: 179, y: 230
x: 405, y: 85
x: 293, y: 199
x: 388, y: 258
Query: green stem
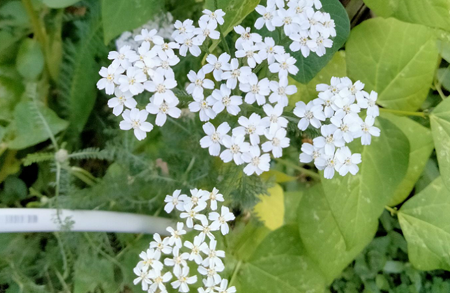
x: 38, y: 27
x: 235, y: 272
x: 222, y: 36
x: 391, y: 210
x: 404, y: 113
x: 307, y: 172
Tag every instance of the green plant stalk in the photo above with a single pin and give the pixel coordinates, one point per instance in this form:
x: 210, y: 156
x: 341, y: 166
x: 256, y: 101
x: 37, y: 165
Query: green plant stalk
x: 222, y: 36
x: 235, y: 272
x: 307, y: 172
x: 404, y: 113
x: 38, y: 27
x: 391, y: 210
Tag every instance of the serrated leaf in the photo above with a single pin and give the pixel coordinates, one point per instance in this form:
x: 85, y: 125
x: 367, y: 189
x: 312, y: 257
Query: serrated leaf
x: 440, y: 128
x: 421, y: 146
x: 122, y: 15
x: 424, y: 220
x: 357, y: 201
x: 381, y: 53
x: 279, y: 266
x: 431, y: 13
x: 270, y: 208
x: 322, y: 237
x: 30, y: 129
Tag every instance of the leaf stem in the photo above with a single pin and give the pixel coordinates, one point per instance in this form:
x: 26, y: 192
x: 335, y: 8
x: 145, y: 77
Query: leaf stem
x: 404, y: 113
x: 235, y: 272
x: 391, y: 210
x: 37, y: 25
x: 222, y: 36
x: 307, y: 172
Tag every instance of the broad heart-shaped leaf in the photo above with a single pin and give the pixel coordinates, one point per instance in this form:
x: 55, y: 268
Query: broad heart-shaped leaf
x: 279, y: 265
x: 421, y: 146
x: 235, y: 12
x: 59, y: 3
x: 123, y: 15
x: 270, y: 208
x: 440, y: 128
x: 310, y: 66
x: 321, y: 236
x: 357, y: 201
x: 383, y: 55
x: 430, y: 13
x: 307, y: 92
x: 30, y: 126
x: 425, y: 221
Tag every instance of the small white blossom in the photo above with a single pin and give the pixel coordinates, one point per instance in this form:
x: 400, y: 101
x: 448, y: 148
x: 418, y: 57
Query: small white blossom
x: 143, y: 277
x: 120, y: 100
x: 236, y: 73
x: 277, y: 141
x: 214, y: 256
x: 133, y: 81
x: 176, y: 200
x: 285, y: 64
x: 150, y: 258
x: 213, y: 16
x: 223, y: 288
x: 198, y: 83
x: 136, y: 120
x: 252, y: 126
x: 196, y: 247
x: 257, y: 163
x: 163, y: 110
x: 328, y: 140
x: 280, y: 91
x: 183, y: 282
x: 161, y: 245
x: 256, y: 90
x: 221, y: 99
x: 110, y: 77
x: 213, y: 137
x: 214, y: 197
x: 309, y: 114
x: 158, y: 280
x: 235, y: 147
x: 347, y: 162
x: 175, y: 238
x: 178, y: 261
x: 204, y: 108
x: 193, y: 213
x: 217, y: 65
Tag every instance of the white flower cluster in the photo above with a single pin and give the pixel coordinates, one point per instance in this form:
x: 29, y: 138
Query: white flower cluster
x: 149, y: 68
x: 336, y: 112
x: 308, y: 28
x: 153, y: 273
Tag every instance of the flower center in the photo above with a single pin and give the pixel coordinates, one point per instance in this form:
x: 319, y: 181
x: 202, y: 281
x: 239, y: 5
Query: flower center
x: 165, y: 65
x: 236, y: 73
x: 182, y: 29
x: 161, y: 89
x: 110, y: 77
x: 135, y: 123
x: 365, y: 128
x: 348, y: 161
x: 329, y: 139
x: 273, y: 118
x: 287, y: 20
x: 250, y: 129
x: 246, y: 36
x: 268, y: 16
x: 218, y: 65
x: 255, y: 161
x: 164, y: 108
x: 132, y: 81
x: 255, y: 89
x: 309, y: 115
x: 226, y: 100
x: 188, y: 42
x: 206, y: 32
x: 165, y: 46
x: 344, y: 127
x: 275, y: 141
x: 215, y: 137
x: 199, y: 82
x: 281, y: 91
x: 204, y: 105
x: 316, y: 154
x: 249, y: 54
x: 235, y: 148
x: 284, y: 65
x: 299, y: 10
x: 121, y: 99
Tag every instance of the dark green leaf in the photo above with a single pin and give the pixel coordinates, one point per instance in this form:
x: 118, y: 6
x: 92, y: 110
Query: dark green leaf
x: 30, y: 59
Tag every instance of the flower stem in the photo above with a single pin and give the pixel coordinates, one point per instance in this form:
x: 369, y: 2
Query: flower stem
x: 404, y: 113
x: 307, y: 172
x: 235, y: 272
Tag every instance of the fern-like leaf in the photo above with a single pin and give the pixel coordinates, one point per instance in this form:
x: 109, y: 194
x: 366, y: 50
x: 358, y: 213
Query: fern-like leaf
x: 37, y: 158
x: 91, y: 153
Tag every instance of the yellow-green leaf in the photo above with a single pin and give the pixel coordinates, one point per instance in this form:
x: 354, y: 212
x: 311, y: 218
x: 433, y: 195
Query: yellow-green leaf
x: 270, y: 209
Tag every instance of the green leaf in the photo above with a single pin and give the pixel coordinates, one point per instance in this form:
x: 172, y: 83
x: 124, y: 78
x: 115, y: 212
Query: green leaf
x: 30, y: 59
x: 59, y: 3
x: 443, y: 75
x: 421, y: 146
x: 279, y: 266
x: 322, y: 237
x: 11, y: 89
x: 424, y: 220
x: 382, y: 54
x: 357, y: 201
x: 431, y: 13
x: 123, y: 15
x: 30, y: 129
x: 270, y: 208
x: 236, y: 11
x: 310, y: 66
x: 307, y: 92
x: 444, y: 49
x: 440, y: 128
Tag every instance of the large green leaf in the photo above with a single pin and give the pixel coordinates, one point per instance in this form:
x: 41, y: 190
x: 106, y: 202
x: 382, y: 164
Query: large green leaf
x: 425, y: 221
x: 30, y: 59
x: 440, y: 128
x: 123, y: 15
x: 357, y: 201
x: 433, y: 13
x: 59, y: 3
x: 34, y: 122
x: 421, y: 146
x: 382, y: 54
x: 279, y: 266
x: 307, y: 92
x: 322, y: 238
x: 310, y: 66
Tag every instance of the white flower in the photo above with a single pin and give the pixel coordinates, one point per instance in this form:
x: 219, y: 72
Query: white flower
x: 257, y: 163
x: 209, y: 286
x: 253, y: 126
x: 133, y: 81
x: 143, y: 277
x: 329, y: 164
x: 310, y: 153
x: 322, y: 44
x: 235, y: 146
x: 198, y: 83
x: 165, y: 50
x: 196, y: 247
x: 175, y: 238
x: 182, y: 29
x: 176, y: 200
x: 346, y: 125
x: 347, y: 162
x: 356, y: 89
x: 217, y: 65
x: 162, y: 86
x: 165, y: 64
x: 123, y: 58
x: 269, y: 50
x: 220, y: 220
x: 178, y: 261
x: 328, y: 29
x: 183, y: 280
x: 214, y: 197
x: 204, y: 109
x: 149, y: 37
x: 249, y: 51
x: 207, y: 30
x: 302, y: 42
x: 213, y: 17
x: 277, y: 141
x: 280, y: 91
x: 205, y: 228
x: 193, y: 213
x: 189, y: 43
x: 290, y: 21
x: 163, y: 110
x: 121, y: 99
x: 110, y: 78
x: 213, y: 138
x: 198, y: 197
x: 236, y: 74
x: 309, y: 114
x: 285, y: 64
x: 267, y: 15
x: 158, y: 280
x: 144, y: 52
x: 327, y: 99
x: 161, y: 245
x: 328, y: 140
x: 274, y: 118
x: 334, y: 87
x: 256, y: 90
x: 367, y: 130
x: 313, y: 21
x: 150, y: 258
x: 223, y: 288
x: 221, y: 99
x: 136, y: 119
x: 246, y: 35
x: 213, y: 256
x: 370, y: 104
x: 211, y: 273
